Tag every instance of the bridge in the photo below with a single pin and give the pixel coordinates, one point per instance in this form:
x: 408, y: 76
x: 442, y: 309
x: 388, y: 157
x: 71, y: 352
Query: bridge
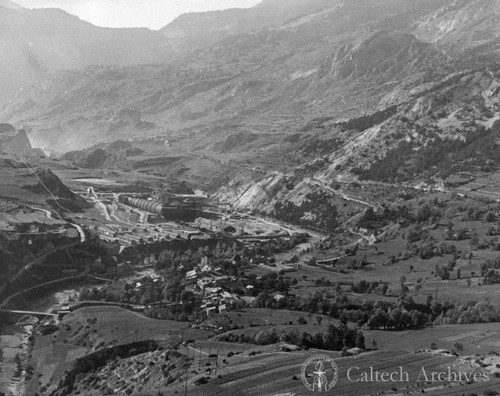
x: 32, y: 313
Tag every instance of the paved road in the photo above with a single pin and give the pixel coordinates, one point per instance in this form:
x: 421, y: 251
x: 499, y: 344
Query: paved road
x: 48, y: 213
x: 341, y: 194
x: 37, y: 261
x: 33, y: 313
x: 7, y: 300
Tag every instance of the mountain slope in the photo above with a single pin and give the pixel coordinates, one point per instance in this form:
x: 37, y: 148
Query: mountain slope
x: 313, y: 63
x: 465, y: 28
x: 36, y: 44
x: 9, y: 4
x: 289, y: 88
x: 201, y: 30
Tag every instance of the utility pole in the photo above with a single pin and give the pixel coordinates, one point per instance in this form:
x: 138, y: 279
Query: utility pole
x: 187, y: 372
x: 210, y: 362
x: 217, y: 361
x: 199, y: 357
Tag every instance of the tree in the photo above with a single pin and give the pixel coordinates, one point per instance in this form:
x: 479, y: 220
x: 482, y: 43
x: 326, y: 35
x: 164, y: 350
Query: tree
x: 424, y: 211
x: 474, y: 241
x: 490, y: 217
x: 458, y: 347
x: 317, y: 340
x: 395, y: 318
x: 360, y: 339
x: 378, y: 320
x: 418, y: 319
x: 333, y: 340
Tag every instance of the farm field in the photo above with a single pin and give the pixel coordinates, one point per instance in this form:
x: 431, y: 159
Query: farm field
x: 88, y: 329
x: 479, y: 338
x: 256, y: 317
x: 113, y: 325
x: 272, y: 373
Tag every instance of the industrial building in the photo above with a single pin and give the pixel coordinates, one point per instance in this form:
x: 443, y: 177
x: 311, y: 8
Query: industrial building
x: 173, y: 207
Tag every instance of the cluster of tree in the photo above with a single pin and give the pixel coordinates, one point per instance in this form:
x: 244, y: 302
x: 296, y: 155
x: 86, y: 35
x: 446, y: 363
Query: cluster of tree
x: 431, y: 248
x: 318, y: 147
x: 149, y: 291
x: 168, y: 312
x: 224, y: 251
x: 334, y: 339
x: 362, y: 123
x: 489, y: 271
x: 473, y: 312
x: 93, y: 361
x: 14, y: 253
x: 276, y: 245
x: 374, y: 220
x: 376, y: 315
x: 319, y: 204
x: 441, y: 157
x: 137, y: 253
x: 456, y: 235
x: 398, y: 319
x: 444, y: 271
x: 268, y: 283
x: 376, y: 287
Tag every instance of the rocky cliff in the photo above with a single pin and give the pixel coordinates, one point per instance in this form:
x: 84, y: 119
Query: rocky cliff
x: 17, y: 143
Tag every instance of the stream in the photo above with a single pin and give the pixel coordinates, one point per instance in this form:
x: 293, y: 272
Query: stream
x: 14, y: 345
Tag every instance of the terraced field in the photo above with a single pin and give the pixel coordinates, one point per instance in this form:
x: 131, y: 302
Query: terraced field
x: 272, y: 373
x: 114, y: 325
x: 97, y: 327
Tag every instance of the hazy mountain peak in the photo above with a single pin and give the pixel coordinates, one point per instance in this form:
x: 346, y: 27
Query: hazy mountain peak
x: 10, y: 4
x: 310, y: 59
x: 463, y: 25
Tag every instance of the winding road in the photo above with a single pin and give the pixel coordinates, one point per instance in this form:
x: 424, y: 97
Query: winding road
x: 342, y: 195
x: 48, y: 213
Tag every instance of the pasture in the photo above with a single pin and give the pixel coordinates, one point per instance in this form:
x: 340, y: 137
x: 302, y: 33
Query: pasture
x: 271, y: 373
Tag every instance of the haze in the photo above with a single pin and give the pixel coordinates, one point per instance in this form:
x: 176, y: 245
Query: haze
x: 152, y: 14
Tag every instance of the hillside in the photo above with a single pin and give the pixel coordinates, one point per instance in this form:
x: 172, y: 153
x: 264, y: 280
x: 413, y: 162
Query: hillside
x: 311, y: 65
x: 326, y: 90
x: 205, y: 207
x: 36, y: 44
x: 201, y: 30
x: 9, y: 4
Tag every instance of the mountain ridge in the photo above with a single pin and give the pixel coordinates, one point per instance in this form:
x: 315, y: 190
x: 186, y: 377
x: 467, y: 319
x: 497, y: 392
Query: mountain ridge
x: 39, y: 43
x: 311, y: 81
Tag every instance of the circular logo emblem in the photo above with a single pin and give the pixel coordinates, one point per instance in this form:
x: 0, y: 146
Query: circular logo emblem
x: 319, y: 373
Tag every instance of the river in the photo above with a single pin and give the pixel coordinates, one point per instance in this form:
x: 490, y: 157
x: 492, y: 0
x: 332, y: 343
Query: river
x: 14, y: 344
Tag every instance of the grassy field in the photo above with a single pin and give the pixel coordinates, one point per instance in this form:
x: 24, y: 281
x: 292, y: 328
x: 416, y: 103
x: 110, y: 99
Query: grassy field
x: 272, y: 373
x: 415, y: 270
x: 476, y: 339
x: 255, y: 317
x: 113, y: 325
x: 92, y: 328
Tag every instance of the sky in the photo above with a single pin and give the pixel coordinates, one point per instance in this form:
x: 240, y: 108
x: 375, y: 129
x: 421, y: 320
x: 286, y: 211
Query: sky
x: 152, y: 14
